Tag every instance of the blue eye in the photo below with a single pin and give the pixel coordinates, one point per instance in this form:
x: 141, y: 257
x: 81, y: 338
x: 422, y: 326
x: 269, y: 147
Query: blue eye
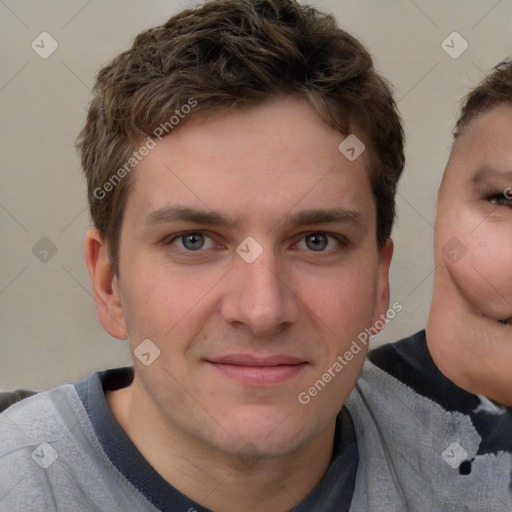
x: 197, y: 241
x: 318, y: 242
x: 193, y: 241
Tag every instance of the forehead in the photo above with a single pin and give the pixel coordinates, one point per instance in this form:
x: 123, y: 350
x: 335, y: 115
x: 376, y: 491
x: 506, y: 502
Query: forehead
x: 254, y: 160
x: 488, y: 130
x: 484, y: 144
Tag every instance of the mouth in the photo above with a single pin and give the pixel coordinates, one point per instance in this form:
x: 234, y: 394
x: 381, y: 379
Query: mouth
x: 259, y: 371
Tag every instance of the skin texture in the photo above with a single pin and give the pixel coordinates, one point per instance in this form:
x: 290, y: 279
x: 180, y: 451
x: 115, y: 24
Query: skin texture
x: 473, y: 282
x: 226, y: 444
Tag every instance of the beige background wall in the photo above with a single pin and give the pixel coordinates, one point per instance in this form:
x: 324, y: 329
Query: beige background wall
x: 49, y: 332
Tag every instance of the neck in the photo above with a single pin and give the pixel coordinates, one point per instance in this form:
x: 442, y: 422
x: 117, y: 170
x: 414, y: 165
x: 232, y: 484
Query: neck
x: 213, y: 479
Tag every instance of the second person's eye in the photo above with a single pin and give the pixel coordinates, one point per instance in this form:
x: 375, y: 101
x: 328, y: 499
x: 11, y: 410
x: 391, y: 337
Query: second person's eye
x: 501, y: 199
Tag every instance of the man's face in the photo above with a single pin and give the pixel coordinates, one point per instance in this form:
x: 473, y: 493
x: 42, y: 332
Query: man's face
x: 240, y: 339
x: 471, y: 315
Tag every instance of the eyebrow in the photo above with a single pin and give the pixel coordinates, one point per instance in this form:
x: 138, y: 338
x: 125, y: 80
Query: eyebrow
x: 328, y: 216
x: 168, y: 214
x: 485, y: 173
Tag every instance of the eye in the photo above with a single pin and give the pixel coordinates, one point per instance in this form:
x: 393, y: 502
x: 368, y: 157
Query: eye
x: 193, y: 241
x: 319, y: 241
x: 502, y: 198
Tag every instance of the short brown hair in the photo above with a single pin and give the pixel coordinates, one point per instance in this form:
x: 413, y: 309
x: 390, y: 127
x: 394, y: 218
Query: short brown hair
x: 227, y: 54
x: 496, y: 88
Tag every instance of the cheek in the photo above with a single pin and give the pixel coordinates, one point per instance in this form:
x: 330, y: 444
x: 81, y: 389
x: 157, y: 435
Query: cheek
x: 484, y: 271
x: 156, y: 299
x: 491, y: 263
x: 345, y: 302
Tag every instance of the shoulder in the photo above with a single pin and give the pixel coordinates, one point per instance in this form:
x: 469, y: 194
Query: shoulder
x: 409, y: 362
x: 50, y: 455
x: 407, y: 368
x: 9, y: 398
x: 425, y: 439
x: 40, y: 415
x: 33, y: 433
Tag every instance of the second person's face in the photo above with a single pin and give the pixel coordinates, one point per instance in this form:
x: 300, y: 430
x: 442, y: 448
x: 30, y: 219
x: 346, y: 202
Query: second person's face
x: 470, y: 326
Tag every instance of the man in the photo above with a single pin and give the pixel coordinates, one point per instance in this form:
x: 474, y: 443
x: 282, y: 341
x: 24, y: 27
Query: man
x: 427, y: 433
x: 241, y: 162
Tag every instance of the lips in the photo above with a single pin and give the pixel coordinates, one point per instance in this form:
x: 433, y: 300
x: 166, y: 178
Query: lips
x: 259, y: 371
x: 248, y: 360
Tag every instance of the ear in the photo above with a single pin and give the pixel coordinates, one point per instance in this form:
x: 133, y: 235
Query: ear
x: 382, y: 295
x: 105, y: 285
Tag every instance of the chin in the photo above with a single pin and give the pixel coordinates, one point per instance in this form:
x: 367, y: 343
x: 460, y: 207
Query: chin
x: 474, y: 351
x: 490, y: 375
x: 496, y: 395
x: 272, y: 433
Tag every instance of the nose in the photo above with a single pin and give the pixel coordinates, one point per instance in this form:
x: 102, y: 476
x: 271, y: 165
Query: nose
x: 259, y: 298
